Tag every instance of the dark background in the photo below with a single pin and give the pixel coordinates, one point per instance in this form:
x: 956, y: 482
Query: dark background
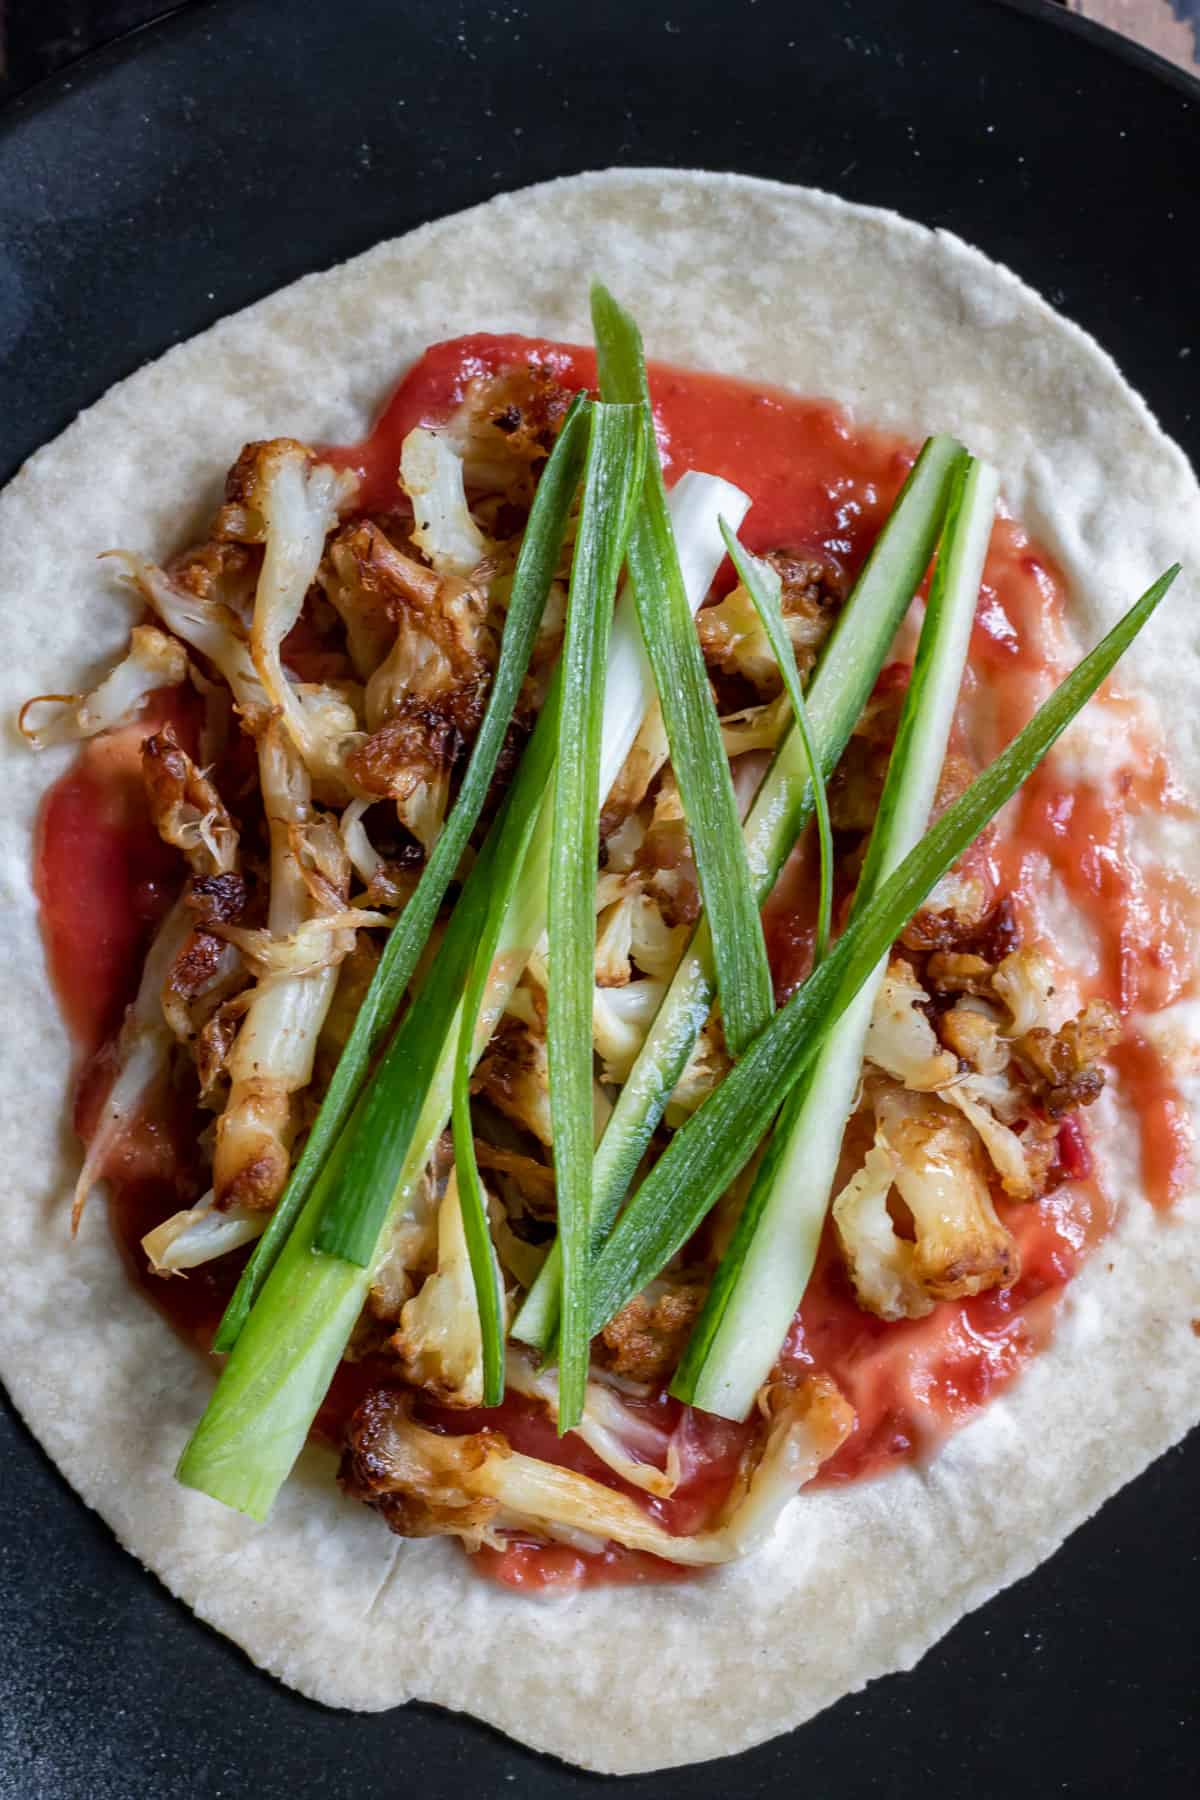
x: 38, y: 37
x: 1080, y: 1681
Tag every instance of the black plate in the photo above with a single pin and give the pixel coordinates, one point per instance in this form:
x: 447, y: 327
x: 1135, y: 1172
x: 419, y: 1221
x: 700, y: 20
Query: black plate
x: 200, y: 164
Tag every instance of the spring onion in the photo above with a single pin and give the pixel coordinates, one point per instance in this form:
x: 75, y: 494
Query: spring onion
x: 764, y: 587
x: 698, y: 761
x: 540, y: 551
x: 271, y: 1388
x: 763, y: 1275
x: 837, y: 693
x: 284, y: 1358
x: 478, y: 1019
x: 714, y: 1145
x: 616, y: 461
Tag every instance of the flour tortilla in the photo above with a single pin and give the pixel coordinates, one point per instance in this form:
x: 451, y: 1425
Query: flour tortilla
x: 910, y: 329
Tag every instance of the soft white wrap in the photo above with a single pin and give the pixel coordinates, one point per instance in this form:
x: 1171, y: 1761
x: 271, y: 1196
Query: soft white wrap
x: 912, y: 330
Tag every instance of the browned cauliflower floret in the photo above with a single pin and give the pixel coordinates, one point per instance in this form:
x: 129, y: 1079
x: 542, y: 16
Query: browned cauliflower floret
x: 189, y: 813
x: 505, y: 429
x: 1063, y: 1063
x: 1023, y: 982
x: 425, y: 697
x: 647, y: 755
x: 152, y: 661
x: 646, y: 1339
x: 185, y: 807
x: 621, y: 1017
x: 477, y: 1488
x: 973, y: 1036
x: 955, y: 912
x: 704, y: 1071
x: 424, y: 1483
x: 291, y: 502
x: 928, y: 1153
x: 665, y: 859
x: 514, y: 1076
x: 900, y: 1040
x: 365, y: 604
x: 439, y: 1343
x: 959, y: 972
x: 731, y: 633
x: 431, y: 474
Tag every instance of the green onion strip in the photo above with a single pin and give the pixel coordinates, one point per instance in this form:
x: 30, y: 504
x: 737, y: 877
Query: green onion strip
x: 764, y: 587
x: 698, y: 759
x: 763, y: 1275
x: 837, y: 693
x: 711, y: 1149
x: 483, y: 1003
x: 612, y: 485
x: 279, y: 1372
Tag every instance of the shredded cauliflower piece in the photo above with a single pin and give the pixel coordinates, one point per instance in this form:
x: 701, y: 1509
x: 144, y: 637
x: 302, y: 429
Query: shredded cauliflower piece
x: 705, y: 1069
x: 200, y: 1234
x: 412, y: 1242
x: 416, y: 666
x: 142, y: 1056
x: 364, y: 608
x: 959, y: 1246
x: 631, y: 933
x: 628, y: 1443
x: 364, y: 858
x: 315, y: 944
x: 514, y: 1075
x: 621, y: 1017
x: 731, y: 633
x: 971, y: 1031
x: 272, y: 1058
x: 208, y: 624
x: 152, y: 661
x: 1020, y: 1161
x: 477, y: 1488
x: 439, y: 1342
x: 422, y: 705
x: 882, y: 1264
x: 665, y: 863
x: 614, y: 936
x: 298, y: 499
x: 655, y: 946
x: 648, y: 754
x: 431, y: 474
x: 189, y: 814
x: 755, y: 727
x: 900, y: 1040
x: 1024, y: 981
x: 623, y: 843
x: 186, y: 808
